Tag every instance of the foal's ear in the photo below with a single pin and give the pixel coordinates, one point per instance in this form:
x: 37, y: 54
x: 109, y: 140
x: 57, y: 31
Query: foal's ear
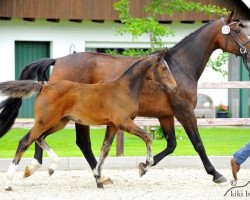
x: 231, y: 16
x: 161, y: 54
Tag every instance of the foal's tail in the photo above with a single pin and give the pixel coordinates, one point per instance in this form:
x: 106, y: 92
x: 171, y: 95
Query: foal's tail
x: 20, y: 88
x: 9, y: 107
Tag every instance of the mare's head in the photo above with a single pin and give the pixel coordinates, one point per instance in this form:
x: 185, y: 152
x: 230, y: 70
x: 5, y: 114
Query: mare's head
x: 161, y: 72
x: 232, y: 37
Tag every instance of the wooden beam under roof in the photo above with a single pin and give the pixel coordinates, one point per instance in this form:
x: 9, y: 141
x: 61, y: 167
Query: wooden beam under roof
x: 98, y: 10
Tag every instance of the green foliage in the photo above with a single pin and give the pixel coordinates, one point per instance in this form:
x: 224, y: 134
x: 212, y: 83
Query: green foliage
x: 159, y: 7
x: 149, y: 24
x: 138, y: 26
x: 216, y: 63
x: 158, y: 133
x: 130, y: 52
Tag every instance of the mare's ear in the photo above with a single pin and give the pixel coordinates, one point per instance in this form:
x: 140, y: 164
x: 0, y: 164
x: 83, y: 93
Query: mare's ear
x: 231, y: 16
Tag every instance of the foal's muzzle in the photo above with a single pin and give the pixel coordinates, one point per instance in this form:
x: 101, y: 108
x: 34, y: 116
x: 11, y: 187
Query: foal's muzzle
x: 172, y: 89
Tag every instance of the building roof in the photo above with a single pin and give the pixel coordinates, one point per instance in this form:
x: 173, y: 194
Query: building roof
x: 77, y: 10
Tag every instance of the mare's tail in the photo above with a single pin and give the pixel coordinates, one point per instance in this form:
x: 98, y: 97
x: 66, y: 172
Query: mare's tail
x: 9, y: 107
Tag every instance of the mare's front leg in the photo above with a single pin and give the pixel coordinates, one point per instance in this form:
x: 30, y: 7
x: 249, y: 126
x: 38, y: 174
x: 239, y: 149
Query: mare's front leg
x: 167, y: 125
x: 108, y: 140
x: 189, y: 122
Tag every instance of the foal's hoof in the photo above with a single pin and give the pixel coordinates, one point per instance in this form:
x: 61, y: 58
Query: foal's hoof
x: 106, y: 180
x: 26, y: 172
x: 100, y: 186
x: 218, y: 178
x: 51, y: 171
x: 8, y: 188
x: 142, y: 170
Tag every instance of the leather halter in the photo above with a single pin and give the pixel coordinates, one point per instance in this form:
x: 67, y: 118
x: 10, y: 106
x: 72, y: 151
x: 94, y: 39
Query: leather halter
x: 243, y: 49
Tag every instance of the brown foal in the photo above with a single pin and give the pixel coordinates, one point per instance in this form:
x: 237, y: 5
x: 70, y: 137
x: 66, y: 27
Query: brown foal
x: 113, y: 103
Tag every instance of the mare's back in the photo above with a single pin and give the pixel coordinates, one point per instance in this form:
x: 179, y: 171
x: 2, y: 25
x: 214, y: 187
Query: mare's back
x: 89, y: 67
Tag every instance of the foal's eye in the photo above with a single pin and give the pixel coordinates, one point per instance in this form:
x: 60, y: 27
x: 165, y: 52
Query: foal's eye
x: 237, y: 31
x: 164, y: 68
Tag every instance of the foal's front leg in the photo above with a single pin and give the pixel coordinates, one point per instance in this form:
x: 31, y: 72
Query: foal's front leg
x: 132, y: 128
x: 108, y: 140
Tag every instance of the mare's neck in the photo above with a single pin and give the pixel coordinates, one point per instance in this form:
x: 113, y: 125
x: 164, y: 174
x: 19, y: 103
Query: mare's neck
x: 192, y: 54
x: 133, y: 78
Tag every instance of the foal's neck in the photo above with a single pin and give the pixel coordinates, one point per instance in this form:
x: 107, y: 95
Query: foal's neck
x: 133, y: 77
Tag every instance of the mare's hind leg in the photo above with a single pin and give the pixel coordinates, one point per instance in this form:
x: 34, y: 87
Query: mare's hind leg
x: 132, y: 128
x: 167, y: 125
x: 108, y: 140
x: 84, y: 144
x: 23, y: 145
x: 29, y: 170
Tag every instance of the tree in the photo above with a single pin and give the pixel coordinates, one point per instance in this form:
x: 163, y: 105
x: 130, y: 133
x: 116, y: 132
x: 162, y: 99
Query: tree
x: 149, y: 24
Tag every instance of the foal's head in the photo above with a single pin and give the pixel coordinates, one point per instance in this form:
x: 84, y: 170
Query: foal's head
x: 161, y: 72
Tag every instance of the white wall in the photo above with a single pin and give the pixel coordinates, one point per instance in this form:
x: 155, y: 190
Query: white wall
x: 85, y: 35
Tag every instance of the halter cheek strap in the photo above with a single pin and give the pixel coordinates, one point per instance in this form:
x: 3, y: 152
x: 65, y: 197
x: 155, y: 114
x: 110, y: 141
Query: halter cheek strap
x: 226, y: 31
x: 243, y: 50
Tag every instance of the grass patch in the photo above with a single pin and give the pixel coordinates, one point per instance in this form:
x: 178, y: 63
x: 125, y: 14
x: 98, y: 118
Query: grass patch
x: 217, y: 141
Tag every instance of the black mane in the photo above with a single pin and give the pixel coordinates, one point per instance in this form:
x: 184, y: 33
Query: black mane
x: 184, y: 41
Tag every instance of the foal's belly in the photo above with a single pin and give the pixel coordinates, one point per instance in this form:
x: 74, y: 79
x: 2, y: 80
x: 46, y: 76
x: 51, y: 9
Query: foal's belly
x: 88, y: 121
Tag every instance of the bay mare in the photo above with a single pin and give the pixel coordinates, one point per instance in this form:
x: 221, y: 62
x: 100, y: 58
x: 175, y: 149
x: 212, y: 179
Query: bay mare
x: 186, y: 60
x: 113, y: 103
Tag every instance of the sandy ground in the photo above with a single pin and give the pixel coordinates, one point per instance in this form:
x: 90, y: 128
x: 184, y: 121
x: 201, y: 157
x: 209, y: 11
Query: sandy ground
x: 180, y: 183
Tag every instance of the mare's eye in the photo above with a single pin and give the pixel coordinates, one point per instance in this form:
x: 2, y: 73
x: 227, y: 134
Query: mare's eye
x: 237, y: 30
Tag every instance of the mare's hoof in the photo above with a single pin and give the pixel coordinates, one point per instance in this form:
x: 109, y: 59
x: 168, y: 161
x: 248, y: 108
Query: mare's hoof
x: 142, y: 170
x: 26, y: 172
x: 51, y: 171
x: 100, y: 186
x: 8, y: 188
x: 106, y: 181
x: 219, y: 180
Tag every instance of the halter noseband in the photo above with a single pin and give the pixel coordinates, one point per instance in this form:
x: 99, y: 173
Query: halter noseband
x: 243, y: 50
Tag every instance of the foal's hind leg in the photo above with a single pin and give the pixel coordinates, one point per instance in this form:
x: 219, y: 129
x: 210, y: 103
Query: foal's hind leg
x: 52, y: 155
x: 36, y: 163
x: 23, y: 145
x: 29, y: 170
x: 108, y: 140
